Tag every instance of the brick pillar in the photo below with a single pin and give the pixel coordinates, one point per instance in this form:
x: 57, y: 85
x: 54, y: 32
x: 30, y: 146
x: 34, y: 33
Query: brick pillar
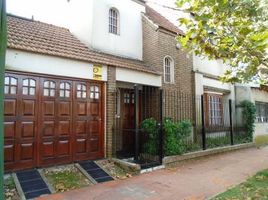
x: 110, y: 111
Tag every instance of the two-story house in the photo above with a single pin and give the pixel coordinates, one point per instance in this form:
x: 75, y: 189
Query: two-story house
x: 68, y: 89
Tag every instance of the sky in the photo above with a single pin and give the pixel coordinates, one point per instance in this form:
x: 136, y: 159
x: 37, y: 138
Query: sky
x: 53, y: 11
x: 50, y: 11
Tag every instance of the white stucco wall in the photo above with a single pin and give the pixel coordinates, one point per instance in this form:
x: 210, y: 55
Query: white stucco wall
x: 42, y: 64
x: 204, y: 70
x: 261, y: 96
x: 213, y: 67
x: 93, y: 26
x: 131, y: 76
x: 201, y: 81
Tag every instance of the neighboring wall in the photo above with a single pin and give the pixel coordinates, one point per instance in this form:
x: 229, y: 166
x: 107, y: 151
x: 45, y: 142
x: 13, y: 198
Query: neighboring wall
x: 253, y: 94
x: 207, y: 74
x: 260, y: 96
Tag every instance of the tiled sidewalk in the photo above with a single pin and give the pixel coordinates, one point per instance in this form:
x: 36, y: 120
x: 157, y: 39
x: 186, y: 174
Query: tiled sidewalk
x: 198, y: 179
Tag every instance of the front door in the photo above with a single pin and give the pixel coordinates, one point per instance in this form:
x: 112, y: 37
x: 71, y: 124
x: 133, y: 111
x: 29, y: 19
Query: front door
x: 128, y: 121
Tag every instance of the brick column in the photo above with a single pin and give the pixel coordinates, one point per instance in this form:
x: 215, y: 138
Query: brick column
x: 110, y: 111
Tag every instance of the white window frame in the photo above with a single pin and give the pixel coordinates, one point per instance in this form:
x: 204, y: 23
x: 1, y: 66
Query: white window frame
x: 114, y: 21
x: 172, y: 69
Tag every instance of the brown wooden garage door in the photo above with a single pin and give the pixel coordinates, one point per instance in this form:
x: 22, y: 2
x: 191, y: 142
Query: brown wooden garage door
x: 51, y: 120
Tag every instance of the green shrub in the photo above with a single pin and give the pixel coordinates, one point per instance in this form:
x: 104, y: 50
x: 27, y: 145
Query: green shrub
x: 175, y: 136
x: 213, y: 142
x: 249, y: 116
x: 149, y: 126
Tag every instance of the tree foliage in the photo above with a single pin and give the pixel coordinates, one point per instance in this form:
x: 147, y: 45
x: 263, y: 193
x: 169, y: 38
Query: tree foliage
x: 235, y: 31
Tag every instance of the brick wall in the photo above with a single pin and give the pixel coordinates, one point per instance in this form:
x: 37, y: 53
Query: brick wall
x: 110, y: 110
x: 158, y: 44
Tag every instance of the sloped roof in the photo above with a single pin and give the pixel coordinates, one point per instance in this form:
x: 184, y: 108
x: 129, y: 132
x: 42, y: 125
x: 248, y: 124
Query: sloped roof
x: 161, y: 21
x: 38, y: 37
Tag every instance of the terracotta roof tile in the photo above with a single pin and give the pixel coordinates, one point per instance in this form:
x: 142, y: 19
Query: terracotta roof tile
x: 161, y: 21
x: 38, y: 37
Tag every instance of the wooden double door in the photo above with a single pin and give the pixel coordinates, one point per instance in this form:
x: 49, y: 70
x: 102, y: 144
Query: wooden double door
x: 50, y: 120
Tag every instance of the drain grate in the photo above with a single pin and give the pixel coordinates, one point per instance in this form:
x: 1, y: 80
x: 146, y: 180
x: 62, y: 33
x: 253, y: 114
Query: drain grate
x: 98, y: 174
x: 32, y: 184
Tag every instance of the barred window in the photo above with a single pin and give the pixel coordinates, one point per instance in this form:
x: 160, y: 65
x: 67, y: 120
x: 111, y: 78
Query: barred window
x: 168, y: 70
x: 261, y: 112
x: 113, y: 21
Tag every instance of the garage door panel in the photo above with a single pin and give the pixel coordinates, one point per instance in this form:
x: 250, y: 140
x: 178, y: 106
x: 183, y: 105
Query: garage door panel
x: 81, y: 146
x: 9, y: 151
x: 26, y: 151
x: 28, y: 107
x: 94, y: 108
x: 28, y: 129
x: 64, y: 147
x: 65, y: 108
x: 48, y: 128
x: 49, y: 108
x: 10, y: 107
x: 64, y: 127
x: 80, y: 127
x: 9, y: 129
x: 94, y: 144
x: 81, y: 108
x: 94, y: 127
x: 47, y: 150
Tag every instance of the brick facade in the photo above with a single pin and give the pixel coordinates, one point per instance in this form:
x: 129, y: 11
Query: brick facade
x: 159, y: 43
x: 110, y: 110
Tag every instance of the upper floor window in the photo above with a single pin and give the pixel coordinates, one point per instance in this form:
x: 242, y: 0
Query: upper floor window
x: 168, y: 70
x: 10, y: 85
x: 261, y: 112
x: 113, y: 21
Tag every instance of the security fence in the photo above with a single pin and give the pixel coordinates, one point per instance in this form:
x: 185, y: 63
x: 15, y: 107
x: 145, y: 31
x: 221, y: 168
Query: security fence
x: 153, y: 123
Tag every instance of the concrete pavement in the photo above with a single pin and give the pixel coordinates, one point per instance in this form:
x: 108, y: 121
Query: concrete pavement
x: 194, y: 180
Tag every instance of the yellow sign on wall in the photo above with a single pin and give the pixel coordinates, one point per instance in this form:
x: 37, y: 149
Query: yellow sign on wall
x: 97, y: 72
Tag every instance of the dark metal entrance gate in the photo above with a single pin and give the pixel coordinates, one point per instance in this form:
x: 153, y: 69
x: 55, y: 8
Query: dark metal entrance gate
x: 133, y: 141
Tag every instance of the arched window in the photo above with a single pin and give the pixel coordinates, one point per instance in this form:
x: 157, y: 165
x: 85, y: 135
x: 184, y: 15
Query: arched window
x: 10, y: 85
x: 113, y: 21
x: 168, y: 70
